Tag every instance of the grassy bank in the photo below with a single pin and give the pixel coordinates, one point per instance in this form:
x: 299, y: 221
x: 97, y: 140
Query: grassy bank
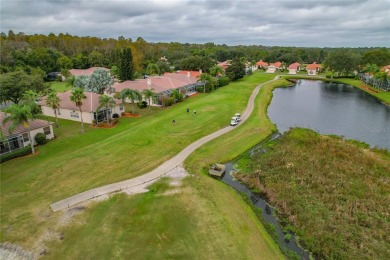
x: 333, y: 193
x: 76, y: 162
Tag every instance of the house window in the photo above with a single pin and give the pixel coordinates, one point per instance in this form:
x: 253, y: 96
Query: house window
x: 74, y: 114
x: 46, y: 130
x: 25, y: 137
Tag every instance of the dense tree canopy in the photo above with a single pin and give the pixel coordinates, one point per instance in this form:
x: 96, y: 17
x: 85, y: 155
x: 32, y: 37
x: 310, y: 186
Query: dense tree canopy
x: 342, y: 62
x: 14, y: 84
x: 236, y: 70
x: 19, y: 51
x: 126, y: 66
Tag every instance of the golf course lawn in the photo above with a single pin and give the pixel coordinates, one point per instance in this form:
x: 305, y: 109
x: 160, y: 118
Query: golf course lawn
x: 208, y: 219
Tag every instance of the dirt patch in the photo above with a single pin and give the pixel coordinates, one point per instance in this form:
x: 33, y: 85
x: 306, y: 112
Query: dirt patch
x: 368, y: 88
x: 130, y: 115
x: 14, y: 252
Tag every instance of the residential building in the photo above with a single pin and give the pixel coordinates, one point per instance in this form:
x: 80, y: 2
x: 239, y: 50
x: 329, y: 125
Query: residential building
x: 68, y: 109
x: 313, y: 69
x: 85, y: 72
x: 19, y: 137
x: 294, y: 68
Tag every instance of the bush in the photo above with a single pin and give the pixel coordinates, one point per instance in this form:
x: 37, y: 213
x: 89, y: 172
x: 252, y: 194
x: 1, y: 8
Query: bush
x: 115, y: 115
x: 223, y: 81
x: 142, y: 104
x: 199, y: 89
x: 287, y: 237
x: 18, y: 153
x: 40, y: 138
x: 169, y: 101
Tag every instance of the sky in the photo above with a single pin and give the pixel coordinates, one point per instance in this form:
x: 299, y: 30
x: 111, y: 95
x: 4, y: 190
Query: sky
x: 301, y: 23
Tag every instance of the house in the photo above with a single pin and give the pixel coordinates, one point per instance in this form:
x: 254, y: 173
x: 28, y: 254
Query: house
x: 85, y: 72
x: 272, y: 67
x: 190, y: 73
x: 294, y: 68
x: 224, y: 65
x: 313, y: 69
x: 386, y: 69
x: 163, y: 85
x: 68, y: 110
x: 19, y: 137
x: 262, y: 64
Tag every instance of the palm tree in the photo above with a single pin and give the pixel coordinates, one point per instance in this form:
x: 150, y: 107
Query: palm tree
x: 149, y: 95
x: 77, y: 98
x: 53, y: 101
x: 107, y: 102
x: 21, y: 114
x: 216, y: 70
x: 132, y: 94
x: 205, y: 79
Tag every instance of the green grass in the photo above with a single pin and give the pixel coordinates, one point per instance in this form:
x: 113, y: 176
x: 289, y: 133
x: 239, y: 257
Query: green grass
x: 333, y: 193
x: 59, y: 86
x: 76, y: 162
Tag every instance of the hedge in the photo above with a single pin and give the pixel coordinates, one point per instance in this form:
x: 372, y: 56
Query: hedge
x: 18, y: 153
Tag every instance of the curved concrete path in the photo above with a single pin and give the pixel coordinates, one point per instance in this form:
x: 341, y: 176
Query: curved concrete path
x: 139, y: 183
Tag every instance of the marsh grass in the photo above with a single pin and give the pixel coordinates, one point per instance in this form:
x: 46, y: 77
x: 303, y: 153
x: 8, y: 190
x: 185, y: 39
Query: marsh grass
x: 332, y: 192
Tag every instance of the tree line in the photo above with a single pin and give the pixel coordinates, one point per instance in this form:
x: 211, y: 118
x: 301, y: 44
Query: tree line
x: 64, y: 51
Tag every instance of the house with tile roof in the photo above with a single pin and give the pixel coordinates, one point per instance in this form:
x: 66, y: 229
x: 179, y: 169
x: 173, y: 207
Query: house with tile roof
x: 162, y: 85
x: 225, y: 64
x: 68, y: 110
x: 19, y: 137
x: 313, y: 69
x: 85, y: 72
x: 262, y: 64
x: 294, y: 68
x: 272, y: 67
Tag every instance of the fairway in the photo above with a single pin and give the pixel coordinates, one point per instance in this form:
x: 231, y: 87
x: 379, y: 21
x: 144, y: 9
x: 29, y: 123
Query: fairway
x: 76, y: 162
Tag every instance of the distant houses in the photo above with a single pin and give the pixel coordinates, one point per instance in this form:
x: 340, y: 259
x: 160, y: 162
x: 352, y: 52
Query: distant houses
x: 274, y: 66
x: 19, y: 137
x: 262, y: 64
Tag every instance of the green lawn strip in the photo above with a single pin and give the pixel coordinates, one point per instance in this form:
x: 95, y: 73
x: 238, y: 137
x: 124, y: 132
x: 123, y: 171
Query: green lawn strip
x: 234, y: 143
x: 194, y: 223
x: 59, y: 86
x: 332, y: 192
x: 76, y: 162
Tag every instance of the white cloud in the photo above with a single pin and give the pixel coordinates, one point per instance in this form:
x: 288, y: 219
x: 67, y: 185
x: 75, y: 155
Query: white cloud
x: 349, y: 23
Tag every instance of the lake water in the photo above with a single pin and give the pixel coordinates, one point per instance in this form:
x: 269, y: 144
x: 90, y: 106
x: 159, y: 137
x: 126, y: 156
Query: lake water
x: 332, y: 108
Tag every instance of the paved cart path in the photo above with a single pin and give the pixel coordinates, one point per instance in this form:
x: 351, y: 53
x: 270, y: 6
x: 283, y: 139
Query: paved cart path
x: 139, y: 183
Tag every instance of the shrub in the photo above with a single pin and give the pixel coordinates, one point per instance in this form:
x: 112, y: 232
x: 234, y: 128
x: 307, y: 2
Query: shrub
x: 21, y: 152
x: 287, y: 237
x: 223, y: 81
x: 115, y: 115
x: 40, y: 138
x: 169, y: 101
x: 142, y: 104
x: 199, y: 89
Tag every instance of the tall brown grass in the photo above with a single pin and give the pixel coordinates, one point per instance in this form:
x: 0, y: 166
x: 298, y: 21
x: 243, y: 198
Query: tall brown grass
x: 333, y: 193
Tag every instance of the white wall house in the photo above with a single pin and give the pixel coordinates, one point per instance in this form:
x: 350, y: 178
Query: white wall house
x: 294, y: 68
x: 19, y: 137
x: 313, y: 69
x: 68, y: 110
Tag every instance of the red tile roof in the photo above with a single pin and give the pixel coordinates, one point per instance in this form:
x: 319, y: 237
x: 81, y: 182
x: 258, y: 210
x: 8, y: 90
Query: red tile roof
x: 191, y: 73
x: 277, y: 64
x: 33, y: 124
x: 262, y: 63
x: 90, y: 104
x: 158, y: 83
x: 295, y: 65
x: 224, y: 64
x: 313, y: 66
x: 87, y: 72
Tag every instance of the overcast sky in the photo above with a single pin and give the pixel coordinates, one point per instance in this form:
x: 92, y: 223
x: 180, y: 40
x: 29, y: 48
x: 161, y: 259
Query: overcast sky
x: 306, y: 23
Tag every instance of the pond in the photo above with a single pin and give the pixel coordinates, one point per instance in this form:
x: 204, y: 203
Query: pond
x: 332, y: 108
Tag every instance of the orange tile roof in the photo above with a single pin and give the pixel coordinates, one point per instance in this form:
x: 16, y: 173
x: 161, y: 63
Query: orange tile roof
x: 294, y: 65
x: 313, y: 66
x: 191, y: 73
x: 262, y: 63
